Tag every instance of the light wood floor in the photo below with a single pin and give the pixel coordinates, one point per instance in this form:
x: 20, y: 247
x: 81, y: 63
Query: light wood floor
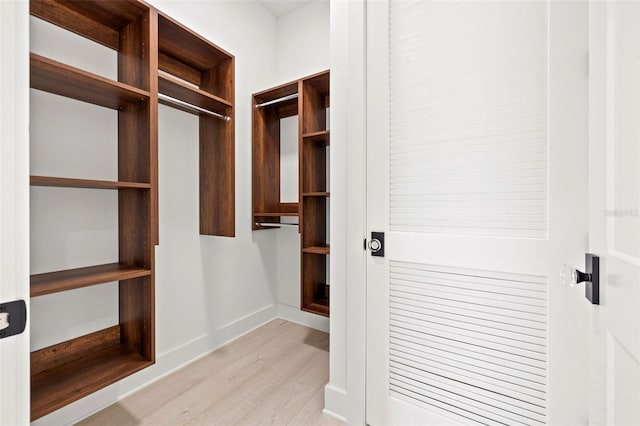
x: 274, y: 375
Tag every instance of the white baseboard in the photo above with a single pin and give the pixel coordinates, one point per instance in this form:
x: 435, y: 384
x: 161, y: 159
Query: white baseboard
x: 165, y: 364
x: 307, y: 319
x: 335, y: 402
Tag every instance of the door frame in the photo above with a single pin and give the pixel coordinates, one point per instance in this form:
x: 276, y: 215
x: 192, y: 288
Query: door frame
x: 14, y: 203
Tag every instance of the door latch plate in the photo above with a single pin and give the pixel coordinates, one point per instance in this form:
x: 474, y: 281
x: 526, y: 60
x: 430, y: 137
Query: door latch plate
x: 13, y: 318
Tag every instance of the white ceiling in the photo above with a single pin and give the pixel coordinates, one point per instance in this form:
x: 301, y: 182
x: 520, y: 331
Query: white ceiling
x: 282, y: 7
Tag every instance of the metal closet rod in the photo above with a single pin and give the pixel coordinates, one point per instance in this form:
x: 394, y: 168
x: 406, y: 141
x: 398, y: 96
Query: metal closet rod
x: 277, y: 101
x: 193, y: 107
x: 274, y: 225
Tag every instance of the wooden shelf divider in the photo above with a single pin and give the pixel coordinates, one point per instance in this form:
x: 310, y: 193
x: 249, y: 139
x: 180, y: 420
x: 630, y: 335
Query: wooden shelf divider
x: 53, y: 282
x: 61, y: 182
x: 316, y: 194
x: 180, y: 90
x: 68, y: 371
x: 276, y: 214
x: 316, y: 250
x: 64, y: 80
x: 322, y: 136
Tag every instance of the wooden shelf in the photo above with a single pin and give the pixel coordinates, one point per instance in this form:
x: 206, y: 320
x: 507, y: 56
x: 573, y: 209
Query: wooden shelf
x: 317, y: 137
x: 180, y: 90
x: 84, y: 183
x: 66, y: 372
x: 64, y: 80
x: 275, y: 214
x: 186, y: 46
x: 316, y: 250
x: 316, y: 194
x: 321, y: 308
x: 53, y: 282
x: 100, y: 24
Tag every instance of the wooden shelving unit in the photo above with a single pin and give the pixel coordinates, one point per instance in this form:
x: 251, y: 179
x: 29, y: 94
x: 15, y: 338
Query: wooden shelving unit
x: 156, y: 55
x: 308, y: 98
x: 314, y: 141
x: 267, y: 207
x: 198, y: 72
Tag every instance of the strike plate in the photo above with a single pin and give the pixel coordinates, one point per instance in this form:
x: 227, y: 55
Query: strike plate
x: 13, y: 318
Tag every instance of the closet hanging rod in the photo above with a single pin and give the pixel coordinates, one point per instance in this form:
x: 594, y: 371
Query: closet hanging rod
x: 277, y: 101
x: 274, y: 224
x: 193, y: 107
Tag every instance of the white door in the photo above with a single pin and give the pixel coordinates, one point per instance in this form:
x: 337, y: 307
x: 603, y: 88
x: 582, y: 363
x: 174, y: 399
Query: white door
x: 14, y: 204
x: 614, y: 195
x: 477, y: 139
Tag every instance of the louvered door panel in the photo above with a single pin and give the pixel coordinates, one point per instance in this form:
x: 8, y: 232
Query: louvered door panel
x: 468, y: 118
x: 471, y: 343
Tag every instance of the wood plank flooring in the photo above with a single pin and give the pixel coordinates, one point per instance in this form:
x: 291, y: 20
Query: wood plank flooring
x: 274, y: 375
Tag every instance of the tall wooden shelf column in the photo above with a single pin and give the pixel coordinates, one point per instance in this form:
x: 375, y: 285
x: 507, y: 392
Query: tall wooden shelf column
x: 193, y: 70
x: 65, y: 372
x: 308, y: 98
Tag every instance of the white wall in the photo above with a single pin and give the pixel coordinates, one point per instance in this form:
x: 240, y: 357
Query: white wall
x: 303, y: 41
x: 208, y: 289
x: 302, y: 49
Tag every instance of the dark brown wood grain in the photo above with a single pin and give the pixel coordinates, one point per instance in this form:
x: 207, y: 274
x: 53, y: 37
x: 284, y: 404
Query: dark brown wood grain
x: 277, y: 92
x: 186, y: 46
x: 64, y: 80
x: 313, y: 138
x: 217, y: 177
x: 314, y: 115
x: 68, y: 351
x: 177, y: 89
x: 60, y: 14
x: 314, y: 277
x: 52, y: 282
x: 61, y: 182
x: 181, y: 70
x: 322, y: 136
x: 68, y: 371
x: 317, y: 250
x: 115, y: 14
x: 314, y: 241
x: 266, y: 162
x: 220, y: 80
x: 153, y: 135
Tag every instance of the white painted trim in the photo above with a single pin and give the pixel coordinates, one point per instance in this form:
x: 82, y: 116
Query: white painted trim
x: 166, y: 364
x: 335, y: 401
x: 14, y: 203
x: 289, y: 313
x: 348, y: 215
